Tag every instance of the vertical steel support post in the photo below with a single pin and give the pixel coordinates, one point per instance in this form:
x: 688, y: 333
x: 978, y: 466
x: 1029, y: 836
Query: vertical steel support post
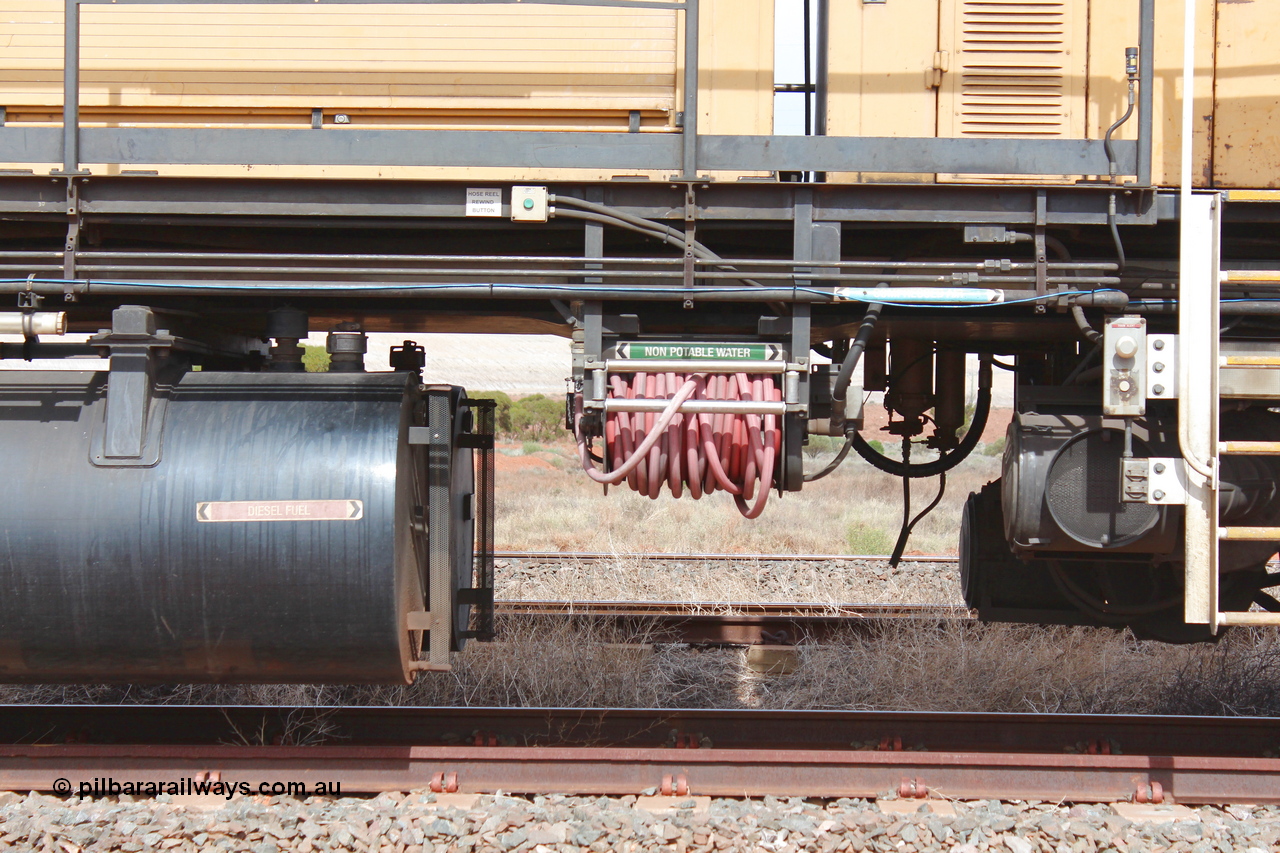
x: 71, y: 88
x: 689, y: 156
x: 593, y: 237
x: 1198, y: 322
x: 441, y: 600
x: 1146, y: 83
x: 822, y: 79
x: 809, y: 241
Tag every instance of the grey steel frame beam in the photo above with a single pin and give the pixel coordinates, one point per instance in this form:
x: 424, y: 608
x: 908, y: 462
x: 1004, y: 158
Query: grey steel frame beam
x: 689, y: 130
x: 71, y: 89
x: 555, y: 150
x: 327, y: 203
x: 1146, y: 83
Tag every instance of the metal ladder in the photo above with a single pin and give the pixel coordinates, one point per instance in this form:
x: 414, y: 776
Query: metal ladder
x: 1199, y: 405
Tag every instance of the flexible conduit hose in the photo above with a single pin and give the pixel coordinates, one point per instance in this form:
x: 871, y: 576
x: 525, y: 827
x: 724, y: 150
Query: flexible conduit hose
x: 701, y: 452
x: 592, y: 212
x: 947, y: 461
x: 860, y: 341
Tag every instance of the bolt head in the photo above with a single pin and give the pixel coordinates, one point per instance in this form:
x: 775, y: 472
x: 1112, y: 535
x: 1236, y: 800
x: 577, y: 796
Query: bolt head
x: 1158, y: 344
x: 1158, y: 494
x: 1158, y: 367
x: 1159, y: 467
x: 1157, y: 390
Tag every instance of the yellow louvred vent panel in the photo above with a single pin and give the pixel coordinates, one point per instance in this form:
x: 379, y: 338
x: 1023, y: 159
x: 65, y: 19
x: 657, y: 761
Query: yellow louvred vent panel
x: 1015, y: 68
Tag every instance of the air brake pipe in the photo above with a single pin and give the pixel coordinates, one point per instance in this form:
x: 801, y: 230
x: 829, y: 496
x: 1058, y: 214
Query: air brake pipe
x: 37, y: 323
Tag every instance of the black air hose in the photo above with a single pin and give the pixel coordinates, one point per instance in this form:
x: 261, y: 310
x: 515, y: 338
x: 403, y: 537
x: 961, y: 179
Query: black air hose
x: 841, y: 388
x: 948, y: 460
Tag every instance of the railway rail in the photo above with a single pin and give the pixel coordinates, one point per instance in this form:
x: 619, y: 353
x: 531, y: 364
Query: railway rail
x: 731, y: 623
x: 598, y: 751
x: 599, y: 556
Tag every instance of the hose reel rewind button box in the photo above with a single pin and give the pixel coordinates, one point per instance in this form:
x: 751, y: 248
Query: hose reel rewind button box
x: 1124, y: 365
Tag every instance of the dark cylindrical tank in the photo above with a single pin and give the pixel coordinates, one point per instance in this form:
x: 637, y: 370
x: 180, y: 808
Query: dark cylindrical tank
x: 266, y: 533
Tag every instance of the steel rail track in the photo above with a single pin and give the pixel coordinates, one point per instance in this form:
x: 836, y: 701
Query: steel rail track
x: 731, y: 623
x: 600, y: 556
x: 600, y: 751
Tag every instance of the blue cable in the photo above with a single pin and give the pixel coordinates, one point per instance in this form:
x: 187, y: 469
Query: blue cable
x: 497, y: 288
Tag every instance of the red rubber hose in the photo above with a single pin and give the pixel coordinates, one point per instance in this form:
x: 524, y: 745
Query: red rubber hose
x: 735, y: 453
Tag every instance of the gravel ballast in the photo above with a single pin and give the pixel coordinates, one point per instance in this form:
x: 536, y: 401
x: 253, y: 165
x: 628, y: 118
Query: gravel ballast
x: 543, y: 824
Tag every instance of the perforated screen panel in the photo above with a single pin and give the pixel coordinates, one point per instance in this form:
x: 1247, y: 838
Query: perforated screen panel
x: 1083, y: 491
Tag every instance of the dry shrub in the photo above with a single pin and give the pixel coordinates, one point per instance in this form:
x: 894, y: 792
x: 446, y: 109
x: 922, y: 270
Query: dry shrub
x: 569, y: 663
x: 944, y: 665
x: 955, y: 665
x: 1238, y: 676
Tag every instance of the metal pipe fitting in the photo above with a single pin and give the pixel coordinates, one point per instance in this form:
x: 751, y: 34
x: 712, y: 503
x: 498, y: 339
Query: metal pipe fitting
x: 36, y: 323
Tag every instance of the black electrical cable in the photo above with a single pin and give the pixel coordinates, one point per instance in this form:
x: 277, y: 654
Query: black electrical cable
x: 1101, y: 610
x: 1121, y: 261
x: 905, y: 533
x: 1071, y: 377
x: 905, y: 530
x: 948, y: 460
x: 833, y: 464
x: 1089, y: 333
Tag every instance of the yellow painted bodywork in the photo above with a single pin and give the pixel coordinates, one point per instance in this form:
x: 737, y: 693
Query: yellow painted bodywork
x: 447, y: 67
x: 881, y: 75
x: 903, y: 68
x: 1246, y: 151
x: 1114, y: 26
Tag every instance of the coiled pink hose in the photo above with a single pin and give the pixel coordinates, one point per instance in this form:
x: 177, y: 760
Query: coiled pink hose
x: 698, y: 452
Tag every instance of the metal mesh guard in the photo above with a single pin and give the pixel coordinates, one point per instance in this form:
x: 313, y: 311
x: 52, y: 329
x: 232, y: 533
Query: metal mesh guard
x: 1083, y: 492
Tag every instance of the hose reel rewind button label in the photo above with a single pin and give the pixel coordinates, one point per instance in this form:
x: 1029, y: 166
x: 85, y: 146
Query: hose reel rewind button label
x: 343, y: 510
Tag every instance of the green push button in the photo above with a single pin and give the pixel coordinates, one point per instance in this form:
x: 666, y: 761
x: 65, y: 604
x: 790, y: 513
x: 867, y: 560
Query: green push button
x: 528, y: 204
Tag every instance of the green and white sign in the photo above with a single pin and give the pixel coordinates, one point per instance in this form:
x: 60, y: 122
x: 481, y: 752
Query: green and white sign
x: 717, y: 352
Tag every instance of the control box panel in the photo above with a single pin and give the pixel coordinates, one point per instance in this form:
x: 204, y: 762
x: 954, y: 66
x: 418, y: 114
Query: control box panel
x: 1124, y: 366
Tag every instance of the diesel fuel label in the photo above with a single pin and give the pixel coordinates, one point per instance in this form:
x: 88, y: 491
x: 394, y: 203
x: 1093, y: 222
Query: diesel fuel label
x: 345, y: 510
x: 731, y: 352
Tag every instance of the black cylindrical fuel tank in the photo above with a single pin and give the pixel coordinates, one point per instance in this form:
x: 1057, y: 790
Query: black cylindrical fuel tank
x: 264, y: 533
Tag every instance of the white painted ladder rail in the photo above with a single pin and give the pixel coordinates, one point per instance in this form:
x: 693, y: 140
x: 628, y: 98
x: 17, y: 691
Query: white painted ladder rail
x: 1199, y: 404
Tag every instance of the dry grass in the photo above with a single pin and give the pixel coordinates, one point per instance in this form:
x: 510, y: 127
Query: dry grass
x: 856, y: 510
x: 623, y: 578
x: 946, y: 666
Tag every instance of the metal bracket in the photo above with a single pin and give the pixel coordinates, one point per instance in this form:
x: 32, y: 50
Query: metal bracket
x: 132, y: 425
x: 1042, y: 254
x: 30, y: 301
x: 1167, y: 481
x: 1135, y: 481
x: 72, y: 244
x: 690, y: 229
